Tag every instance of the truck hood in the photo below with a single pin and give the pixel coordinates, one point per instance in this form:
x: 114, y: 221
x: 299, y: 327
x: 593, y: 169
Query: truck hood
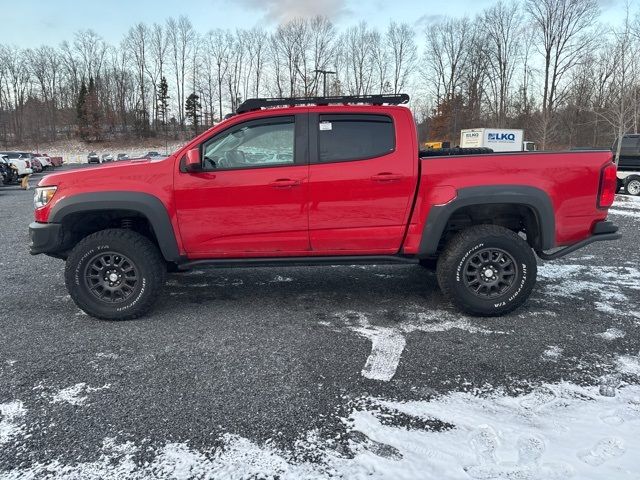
x: 111, y: 173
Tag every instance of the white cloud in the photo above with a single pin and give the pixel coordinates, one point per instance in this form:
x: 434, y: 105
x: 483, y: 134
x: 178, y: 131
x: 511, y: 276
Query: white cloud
x: 285, y: 10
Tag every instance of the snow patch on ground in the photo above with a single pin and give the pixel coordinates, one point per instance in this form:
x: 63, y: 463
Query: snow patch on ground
x: 76, y: 394
x: 11, y: 416
x: 280, y: 278
x: 601, y: 284
x: 109, y: 356
x: 625, y: 213
x: 611, y: 334
x: 556, y: 431
x: 629, y: 364
x: 552, y: 353
x: 388, y: 342
x: 628, y: 201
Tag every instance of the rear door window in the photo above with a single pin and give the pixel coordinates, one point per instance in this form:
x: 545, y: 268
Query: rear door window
x: 344, y: 138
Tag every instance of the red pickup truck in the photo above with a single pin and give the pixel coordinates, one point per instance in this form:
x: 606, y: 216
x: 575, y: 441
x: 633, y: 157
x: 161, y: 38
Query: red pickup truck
x: 316, y: 181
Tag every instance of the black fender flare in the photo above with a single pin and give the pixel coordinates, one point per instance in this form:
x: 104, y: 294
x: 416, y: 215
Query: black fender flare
x: 531, y: 197
x: 148, y: 205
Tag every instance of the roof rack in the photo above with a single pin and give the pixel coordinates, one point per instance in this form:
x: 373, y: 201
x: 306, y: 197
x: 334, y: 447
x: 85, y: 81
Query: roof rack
x: 258, y: 103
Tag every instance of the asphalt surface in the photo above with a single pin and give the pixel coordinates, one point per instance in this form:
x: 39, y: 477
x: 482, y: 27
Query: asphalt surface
x: 273, y: 353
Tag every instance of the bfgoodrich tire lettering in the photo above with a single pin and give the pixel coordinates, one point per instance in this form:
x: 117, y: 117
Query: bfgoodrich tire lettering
x: 115, y: 274
x: 487, y: 270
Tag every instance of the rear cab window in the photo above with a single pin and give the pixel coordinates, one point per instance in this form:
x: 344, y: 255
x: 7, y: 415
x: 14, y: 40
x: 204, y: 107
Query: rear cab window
x: 349, y: 137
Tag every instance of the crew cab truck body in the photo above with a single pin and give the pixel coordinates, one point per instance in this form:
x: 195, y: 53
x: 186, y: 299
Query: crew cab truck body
x: 321, y: 184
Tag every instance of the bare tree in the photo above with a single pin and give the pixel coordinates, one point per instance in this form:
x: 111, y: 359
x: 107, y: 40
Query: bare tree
x: 16, y: 85
x: 503, y: 26
x: 257, y: 48
x: 402, y: 49
x: 475, y: 72
x: 180, y: 35
x: 45, y: 66
x: 445, y: 56
x: 623, y: 84
x: 380, y: 64
x: 136, y: 42
x: 359, y: 58
x: 286, y: 42
x: 158, y: 47
x: 564, y: 34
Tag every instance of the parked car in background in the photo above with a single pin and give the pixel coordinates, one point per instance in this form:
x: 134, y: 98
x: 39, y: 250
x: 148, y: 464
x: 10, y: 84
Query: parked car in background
x: 152, y: 154
x: 56, y: 161
x: 107, y: 157
x: 20, y: 163
x: 44, y: 160
x: 122, y: 156
x: 629, y: 164
x: 36, y: 166
x: 93, y: 158
x: 8, y: 174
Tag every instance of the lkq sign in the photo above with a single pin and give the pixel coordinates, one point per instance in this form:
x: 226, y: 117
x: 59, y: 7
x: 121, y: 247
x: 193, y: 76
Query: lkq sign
x: 502, y: 137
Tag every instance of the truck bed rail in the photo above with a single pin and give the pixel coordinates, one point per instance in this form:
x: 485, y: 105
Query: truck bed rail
x: 457, y: 151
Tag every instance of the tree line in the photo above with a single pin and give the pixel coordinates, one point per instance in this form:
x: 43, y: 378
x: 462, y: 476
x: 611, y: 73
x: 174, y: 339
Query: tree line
x: 548, y: 66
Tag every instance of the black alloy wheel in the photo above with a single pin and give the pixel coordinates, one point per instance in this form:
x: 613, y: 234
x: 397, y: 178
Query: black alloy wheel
x: 111, y: 277
x: 490, y: 272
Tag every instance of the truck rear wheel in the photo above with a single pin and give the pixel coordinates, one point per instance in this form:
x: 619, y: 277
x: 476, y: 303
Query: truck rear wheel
x: 632, y: 185
x: 115, y: 274
x: 487, y: 270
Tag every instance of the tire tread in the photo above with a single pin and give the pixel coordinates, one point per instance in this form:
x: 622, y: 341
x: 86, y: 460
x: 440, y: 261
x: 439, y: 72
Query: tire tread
x: 145, y: 251
x: 458, y: 245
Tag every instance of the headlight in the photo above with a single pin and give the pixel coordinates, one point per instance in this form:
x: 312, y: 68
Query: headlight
x: 43, y: 196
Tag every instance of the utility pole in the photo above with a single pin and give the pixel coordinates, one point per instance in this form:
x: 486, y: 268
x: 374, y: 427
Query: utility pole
x: 324, y: 79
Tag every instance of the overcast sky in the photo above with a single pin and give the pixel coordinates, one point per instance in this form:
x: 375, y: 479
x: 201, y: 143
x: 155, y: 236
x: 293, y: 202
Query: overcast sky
x: 30, y: 23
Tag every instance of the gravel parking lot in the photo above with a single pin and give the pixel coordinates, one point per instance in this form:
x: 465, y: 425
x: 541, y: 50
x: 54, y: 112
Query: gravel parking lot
x: 322, y: 372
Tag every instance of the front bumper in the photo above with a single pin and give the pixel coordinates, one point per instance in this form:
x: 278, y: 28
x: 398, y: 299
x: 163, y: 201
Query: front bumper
x: 602, y: 231
x: 45, y: 238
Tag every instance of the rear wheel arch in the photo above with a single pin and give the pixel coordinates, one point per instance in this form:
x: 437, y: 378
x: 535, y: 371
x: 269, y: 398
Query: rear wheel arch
x: 497, y: 205
x: 91, y: 212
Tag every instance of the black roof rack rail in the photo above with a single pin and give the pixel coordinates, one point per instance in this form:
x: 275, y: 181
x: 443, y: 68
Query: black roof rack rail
x: 258, y: 103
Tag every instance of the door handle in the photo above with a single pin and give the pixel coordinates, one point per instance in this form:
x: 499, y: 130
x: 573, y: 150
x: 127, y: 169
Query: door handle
x: 387, y: 177
x: 285, y: 183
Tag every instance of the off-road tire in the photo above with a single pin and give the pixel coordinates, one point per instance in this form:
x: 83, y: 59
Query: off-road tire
x: 471, y: 244
x: 140, y: 254
x: 632, y: 185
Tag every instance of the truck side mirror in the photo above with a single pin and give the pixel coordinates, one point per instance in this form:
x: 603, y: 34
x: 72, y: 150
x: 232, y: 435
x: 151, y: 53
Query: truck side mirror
x: 192, y: 162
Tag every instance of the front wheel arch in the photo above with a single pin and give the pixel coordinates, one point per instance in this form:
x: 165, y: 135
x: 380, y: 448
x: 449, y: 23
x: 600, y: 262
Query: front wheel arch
x: 104, y: 204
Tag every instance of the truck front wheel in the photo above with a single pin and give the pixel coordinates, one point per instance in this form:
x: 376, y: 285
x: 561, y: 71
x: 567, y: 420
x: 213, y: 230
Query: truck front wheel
x: 487, y: 270
x: 115, y: 274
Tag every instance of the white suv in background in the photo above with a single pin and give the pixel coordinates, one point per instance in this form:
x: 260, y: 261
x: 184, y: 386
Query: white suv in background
x: 21, y: 164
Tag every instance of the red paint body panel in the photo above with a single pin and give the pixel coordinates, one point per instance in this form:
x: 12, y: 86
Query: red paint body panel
x: 571, y: 179
x: 237, y: 211
x: 352, y: 206
x: 336, y: 208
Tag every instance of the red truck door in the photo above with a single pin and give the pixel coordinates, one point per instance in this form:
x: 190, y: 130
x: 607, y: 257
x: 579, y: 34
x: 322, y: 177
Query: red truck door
x: 361, y: 182
x: 251, y: 197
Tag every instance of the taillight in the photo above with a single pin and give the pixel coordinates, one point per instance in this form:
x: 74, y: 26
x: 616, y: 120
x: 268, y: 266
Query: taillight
x: 608, y: 186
